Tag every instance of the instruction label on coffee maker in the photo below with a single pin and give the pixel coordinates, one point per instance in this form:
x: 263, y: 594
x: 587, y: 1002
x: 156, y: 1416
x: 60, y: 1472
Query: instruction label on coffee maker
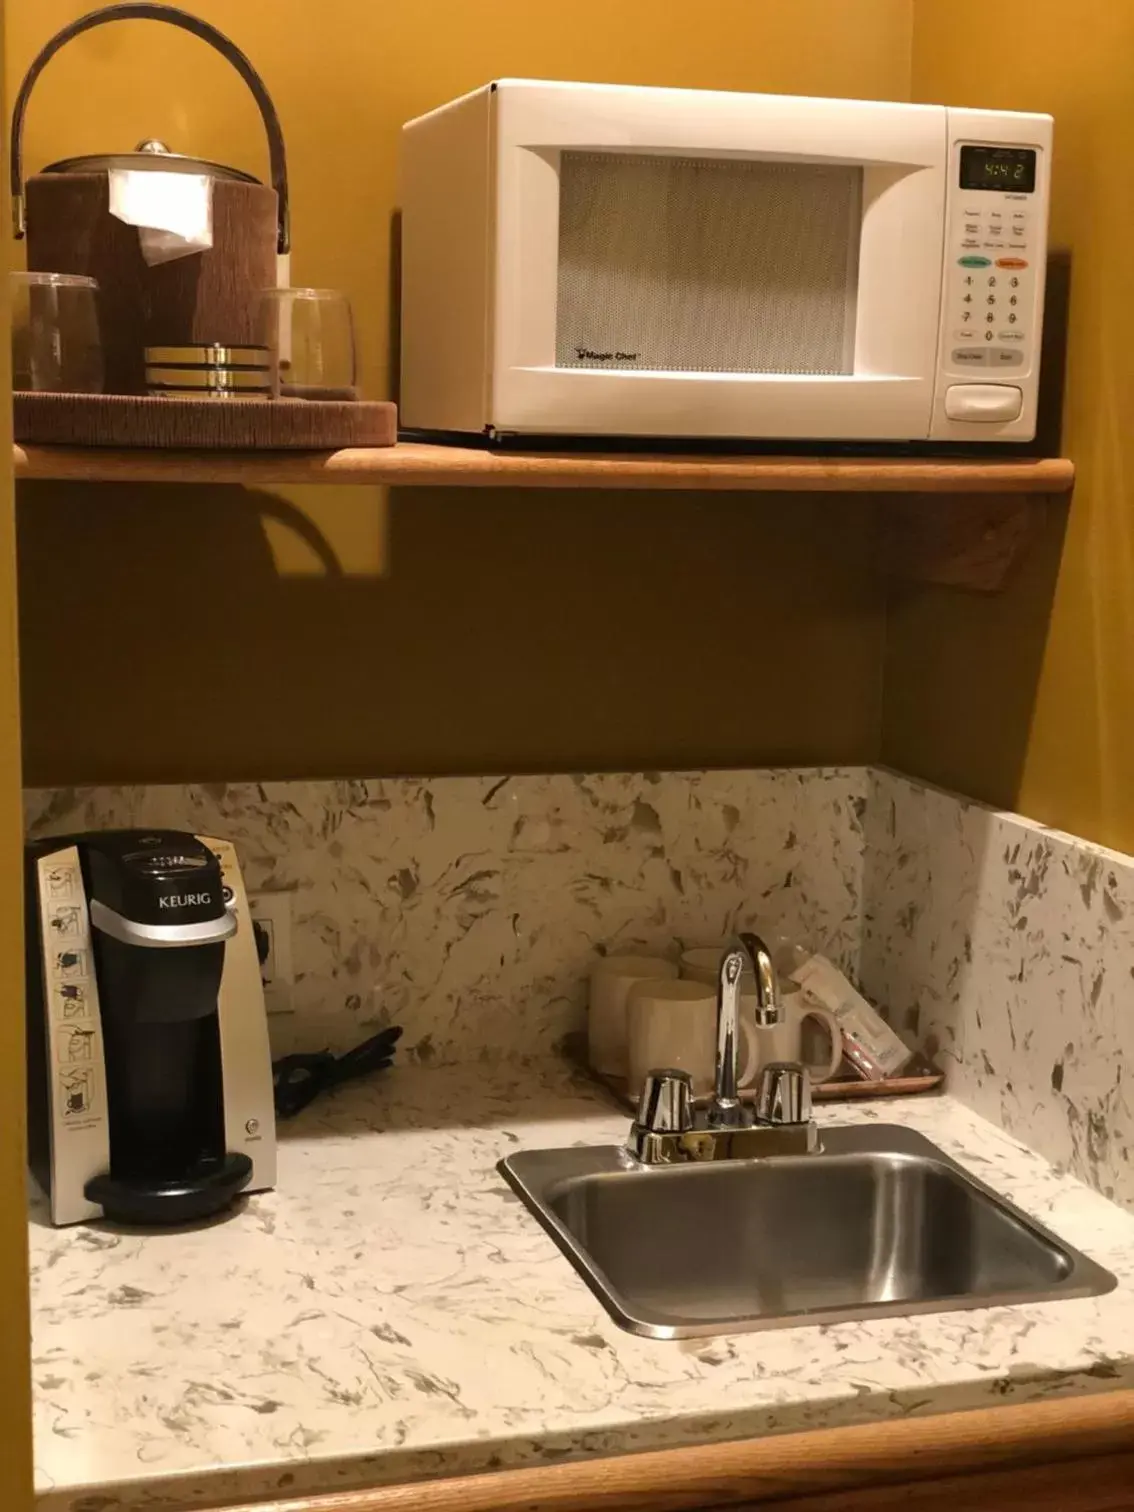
x: 76, y: 1070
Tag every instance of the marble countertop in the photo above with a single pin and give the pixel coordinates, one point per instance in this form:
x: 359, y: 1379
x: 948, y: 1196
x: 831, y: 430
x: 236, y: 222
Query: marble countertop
x: 391, y: 1313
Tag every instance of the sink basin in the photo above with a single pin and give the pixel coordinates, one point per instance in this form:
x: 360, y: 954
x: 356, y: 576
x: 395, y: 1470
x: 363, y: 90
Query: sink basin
x: 881, y: 1223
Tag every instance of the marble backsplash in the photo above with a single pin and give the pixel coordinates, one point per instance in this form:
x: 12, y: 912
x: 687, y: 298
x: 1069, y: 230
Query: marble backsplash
x: 1006, y: 950
x: 469, y: 910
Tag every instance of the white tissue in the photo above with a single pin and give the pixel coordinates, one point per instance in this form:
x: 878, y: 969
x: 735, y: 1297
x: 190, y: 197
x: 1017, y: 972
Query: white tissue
x: 172, y: 211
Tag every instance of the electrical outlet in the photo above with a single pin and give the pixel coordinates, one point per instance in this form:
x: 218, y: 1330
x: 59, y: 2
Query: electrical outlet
x: 271, y: 921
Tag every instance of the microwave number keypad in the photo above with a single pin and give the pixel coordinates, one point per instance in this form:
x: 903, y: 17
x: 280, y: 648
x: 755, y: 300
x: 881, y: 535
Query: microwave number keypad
x: 990, y: 295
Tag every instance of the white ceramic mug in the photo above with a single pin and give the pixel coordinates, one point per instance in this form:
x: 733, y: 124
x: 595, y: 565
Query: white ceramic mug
x: 611, y: 979
x: 674, y: 1023
x: 783, y: 1041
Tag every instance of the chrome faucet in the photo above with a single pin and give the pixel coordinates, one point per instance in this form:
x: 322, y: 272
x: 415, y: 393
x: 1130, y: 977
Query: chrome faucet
x: 669, y: 1131
x: 726, y: 1111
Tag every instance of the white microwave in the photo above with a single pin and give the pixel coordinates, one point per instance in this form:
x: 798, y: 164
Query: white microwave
x: 612, y: 261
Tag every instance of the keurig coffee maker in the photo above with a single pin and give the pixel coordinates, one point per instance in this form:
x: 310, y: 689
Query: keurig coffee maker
x: 149, y: 1072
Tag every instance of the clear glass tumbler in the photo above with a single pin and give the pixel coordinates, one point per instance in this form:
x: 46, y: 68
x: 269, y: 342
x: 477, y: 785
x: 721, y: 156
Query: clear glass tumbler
x: 311, y: 336
x: 56, y: 346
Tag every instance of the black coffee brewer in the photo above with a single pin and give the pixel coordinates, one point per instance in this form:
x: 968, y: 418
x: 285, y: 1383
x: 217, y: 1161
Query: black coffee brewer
x: 150, y: 1086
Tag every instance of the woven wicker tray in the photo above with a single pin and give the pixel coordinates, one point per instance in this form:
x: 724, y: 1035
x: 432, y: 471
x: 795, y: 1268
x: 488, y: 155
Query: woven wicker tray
x: 142, y: 420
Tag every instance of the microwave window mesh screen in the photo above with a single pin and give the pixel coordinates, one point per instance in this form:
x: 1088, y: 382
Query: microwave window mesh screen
x: 706, y: 265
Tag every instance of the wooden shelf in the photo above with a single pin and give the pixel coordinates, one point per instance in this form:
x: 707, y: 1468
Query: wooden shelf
x: 985, y: 515
x: 412, y: 464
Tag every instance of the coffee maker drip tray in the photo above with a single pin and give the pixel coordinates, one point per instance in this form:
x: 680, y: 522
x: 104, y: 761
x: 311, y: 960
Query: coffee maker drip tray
x: 211, y: 1186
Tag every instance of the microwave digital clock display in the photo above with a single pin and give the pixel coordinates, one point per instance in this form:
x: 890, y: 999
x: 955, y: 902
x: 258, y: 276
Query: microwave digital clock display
x: 1010, y: 168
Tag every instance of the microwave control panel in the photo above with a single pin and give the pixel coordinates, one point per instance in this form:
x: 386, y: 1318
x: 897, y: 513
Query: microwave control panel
x: 990, y: 281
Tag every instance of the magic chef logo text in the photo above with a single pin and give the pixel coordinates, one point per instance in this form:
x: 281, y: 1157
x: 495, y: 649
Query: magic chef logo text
x: 585, y: 354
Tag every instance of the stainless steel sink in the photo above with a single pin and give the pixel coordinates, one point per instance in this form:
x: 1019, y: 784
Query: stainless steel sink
x: 881, y: 1223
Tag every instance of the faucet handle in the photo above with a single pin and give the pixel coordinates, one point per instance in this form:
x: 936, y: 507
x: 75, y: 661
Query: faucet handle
x: 665, y: 1105
x: 784, y: 1094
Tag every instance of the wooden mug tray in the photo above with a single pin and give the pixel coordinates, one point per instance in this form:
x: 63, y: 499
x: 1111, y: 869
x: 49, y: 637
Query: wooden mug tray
x: 919, y: 1076
x: 146, y: 420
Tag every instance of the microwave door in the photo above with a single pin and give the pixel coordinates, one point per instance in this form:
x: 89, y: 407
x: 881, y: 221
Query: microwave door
x: 707, y: 265
x: 666, y: 288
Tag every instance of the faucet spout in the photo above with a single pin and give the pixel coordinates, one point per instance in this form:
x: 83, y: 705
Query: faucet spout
x: 768, y: 1010
x: 726, y: 1111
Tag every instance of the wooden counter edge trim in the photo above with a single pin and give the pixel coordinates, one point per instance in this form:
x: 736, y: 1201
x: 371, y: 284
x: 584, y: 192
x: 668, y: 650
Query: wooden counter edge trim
x: 1097, y: 1483
x: 752, y: 1471
x: 421, y: 464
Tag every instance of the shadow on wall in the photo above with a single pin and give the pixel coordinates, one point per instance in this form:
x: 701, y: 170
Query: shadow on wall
x: 172, y: 633
x: 962, y: 670
x: 1053, y: 354
x: 962, y: 673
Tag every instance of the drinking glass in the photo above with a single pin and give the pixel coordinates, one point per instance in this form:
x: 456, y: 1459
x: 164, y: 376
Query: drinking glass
x: 56, y: 346
x: 311, y: 335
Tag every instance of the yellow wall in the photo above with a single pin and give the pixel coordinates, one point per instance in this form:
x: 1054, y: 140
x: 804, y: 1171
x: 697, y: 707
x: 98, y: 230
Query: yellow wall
x: 1029, y: 699
x: 15, y: 1386
x: 172, y: 633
